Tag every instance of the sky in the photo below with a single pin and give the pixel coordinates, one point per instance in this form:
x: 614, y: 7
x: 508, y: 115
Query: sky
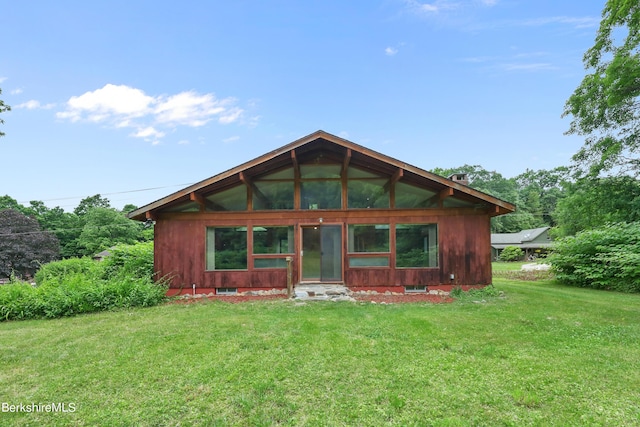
x: 135, y: 100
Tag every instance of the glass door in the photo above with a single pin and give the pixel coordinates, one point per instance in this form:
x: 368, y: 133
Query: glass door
x: 322, y: 253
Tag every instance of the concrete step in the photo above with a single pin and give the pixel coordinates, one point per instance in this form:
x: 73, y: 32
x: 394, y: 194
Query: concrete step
x: 322, y: 292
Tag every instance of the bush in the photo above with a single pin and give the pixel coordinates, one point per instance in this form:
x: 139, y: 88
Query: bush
x: 67, y: 267
x: 607, y: 257
x: 76, y: 294
x: 130, y: 260
x: 82, y: 285
x: 511, y: 253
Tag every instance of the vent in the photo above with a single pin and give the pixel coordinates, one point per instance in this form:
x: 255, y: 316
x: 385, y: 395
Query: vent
x: 226, y: 291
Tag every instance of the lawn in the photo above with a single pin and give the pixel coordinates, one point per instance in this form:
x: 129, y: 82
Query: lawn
x: 543, y: 355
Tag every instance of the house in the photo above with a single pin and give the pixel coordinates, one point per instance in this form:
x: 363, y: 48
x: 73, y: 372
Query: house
x: 333, y: 212
x: 533, y: 242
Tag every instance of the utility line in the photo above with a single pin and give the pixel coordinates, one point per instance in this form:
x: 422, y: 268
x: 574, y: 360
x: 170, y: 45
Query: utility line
x: 111, y: 194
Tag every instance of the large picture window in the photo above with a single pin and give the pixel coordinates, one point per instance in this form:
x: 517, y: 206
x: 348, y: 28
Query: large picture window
x: 227, y: 248
x: 416, y: 245
x: 272, y: 241
x: 366, y: 243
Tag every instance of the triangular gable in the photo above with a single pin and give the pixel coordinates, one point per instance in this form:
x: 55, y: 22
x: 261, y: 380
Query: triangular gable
x: 324, y: 145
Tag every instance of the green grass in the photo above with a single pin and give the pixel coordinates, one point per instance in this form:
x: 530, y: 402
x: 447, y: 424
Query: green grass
x: 544, y: 355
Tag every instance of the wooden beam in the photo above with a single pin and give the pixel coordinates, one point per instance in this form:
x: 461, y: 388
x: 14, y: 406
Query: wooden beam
x: 150, y: 215
x: 296, y: 180
x: 436, y: 200
x: 346, y: 161
x: 253, y: 190
x: 204, y: 203
x: 195, y: 197
x: 399, y: 173
x: 296, y: 165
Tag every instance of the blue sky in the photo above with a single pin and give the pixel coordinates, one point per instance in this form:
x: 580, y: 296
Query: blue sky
x: 121, y: 97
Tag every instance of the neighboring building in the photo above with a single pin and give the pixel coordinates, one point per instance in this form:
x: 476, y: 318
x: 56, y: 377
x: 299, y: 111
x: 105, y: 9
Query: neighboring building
x: 340, y: 212
x: 534, y: 242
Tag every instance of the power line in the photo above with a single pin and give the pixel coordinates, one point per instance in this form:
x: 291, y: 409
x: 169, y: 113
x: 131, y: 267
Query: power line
x: 113, y: 193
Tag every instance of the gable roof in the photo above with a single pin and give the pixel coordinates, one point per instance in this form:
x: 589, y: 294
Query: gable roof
x: 334, y: 148
x: 521, y: 238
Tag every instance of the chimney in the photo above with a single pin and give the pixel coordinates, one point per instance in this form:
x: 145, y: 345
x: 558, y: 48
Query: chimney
x: 460, y: 178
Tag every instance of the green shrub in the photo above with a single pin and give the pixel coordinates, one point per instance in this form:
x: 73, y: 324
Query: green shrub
x: 511, y: 253
x: 607, y: 257
x: 82, y: 285
x: 66, y: 267
x: 130, y: 260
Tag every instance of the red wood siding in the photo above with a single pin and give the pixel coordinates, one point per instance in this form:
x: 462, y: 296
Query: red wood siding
x: 463, y: 235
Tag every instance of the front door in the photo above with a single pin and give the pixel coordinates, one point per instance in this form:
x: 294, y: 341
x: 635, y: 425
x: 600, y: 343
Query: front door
x: 322, y: 253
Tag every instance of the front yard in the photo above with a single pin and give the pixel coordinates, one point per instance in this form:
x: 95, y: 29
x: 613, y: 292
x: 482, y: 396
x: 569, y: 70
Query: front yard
x: 542, y: 354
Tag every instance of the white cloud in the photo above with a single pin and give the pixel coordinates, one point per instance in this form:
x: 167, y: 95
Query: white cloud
x: 434, y: 7
x: 189, y: 108
x: 35, y: 105
x: 17, y: 91
x: 121, y: 106
x: 107, y: 102
x: 2, y: 79
x: 390, y: 51
x: 148, y: 132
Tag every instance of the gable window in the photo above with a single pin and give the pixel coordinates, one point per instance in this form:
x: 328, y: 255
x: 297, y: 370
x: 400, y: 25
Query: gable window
x: 232, y: 199
x: 416, y: 245
x: 409, y: 196
x: 320, y: 186
x: 274, y: 191
x: 367, y: 190
x: 226, y: 248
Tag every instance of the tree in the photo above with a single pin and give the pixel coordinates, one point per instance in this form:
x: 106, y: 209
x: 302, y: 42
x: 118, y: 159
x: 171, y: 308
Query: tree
x: 541, y: 191
x: 593, y: 202
x: 91, y: 202
x: 106, y: 227
x: 3, y: 108
x: 605, y: 107
x: 23, y: 245
x: 495, y: 184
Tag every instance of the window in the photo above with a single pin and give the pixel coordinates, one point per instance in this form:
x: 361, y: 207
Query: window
x: 366, y: 190
x: 367, y: 193
x: 320, y: 187
x: 274, y: 191
x: 272, y: 195
x: 409, y: 196
x: 321, y: 194
x: 232, y: 199
x: 227, y: 248
x: 368, y: 239
x: 413, y: 289
x: 416, y: 245
x: 272, y: 241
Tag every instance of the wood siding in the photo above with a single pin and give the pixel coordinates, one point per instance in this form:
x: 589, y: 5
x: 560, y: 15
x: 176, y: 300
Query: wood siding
x: 463, y: 242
